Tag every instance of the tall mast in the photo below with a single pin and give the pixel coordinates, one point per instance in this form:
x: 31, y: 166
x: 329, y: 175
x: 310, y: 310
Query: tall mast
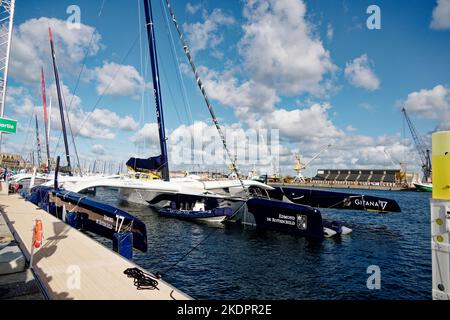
x: 61, y: 109
x: 44, y: 104
x: 157, y: 88
x: 6, y: 29
x: 38, y: 140
x: 205, y: 97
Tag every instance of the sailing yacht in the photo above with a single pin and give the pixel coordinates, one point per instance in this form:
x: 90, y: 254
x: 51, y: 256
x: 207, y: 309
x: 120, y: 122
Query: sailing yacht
x: 145, y: 191
x: 250, y: 202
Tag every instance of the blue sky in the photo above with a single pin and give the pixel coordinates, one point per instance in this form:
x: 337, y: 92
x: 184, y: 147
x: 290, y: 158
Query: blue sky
x: 311, y: 69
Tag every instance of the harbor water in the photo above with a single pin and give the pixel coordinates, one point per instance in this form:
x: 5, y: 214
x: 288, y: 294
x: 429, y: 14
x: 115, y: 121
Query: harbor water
x: 233, y: 262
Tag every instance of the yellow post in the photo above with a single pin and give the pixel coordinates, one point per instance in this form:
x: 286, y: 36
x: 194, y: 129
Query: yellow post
x: 440, y: 215
x: 441, y: 165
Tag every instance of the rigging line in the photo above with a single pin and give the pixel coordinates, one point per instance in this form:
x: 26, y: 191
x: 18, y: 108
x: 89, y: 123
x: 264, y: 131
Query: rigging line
x: 141, y: 61
x: 189, y: 252
x: 170, y: 92
x: 101, y: 8
x: 27, y: 135
x: 141, y: 147
x: 82, y: 68
x: 81, y: 72
x: 71, y: 133
x: 107, y: 88
x: 176, y: 61
x: 208, y: 103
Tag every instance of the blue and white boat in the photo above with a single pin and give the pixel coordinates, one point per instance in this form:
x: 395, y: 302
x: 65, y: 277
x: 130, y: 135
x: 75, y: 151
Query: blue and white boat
x: 252, y: 202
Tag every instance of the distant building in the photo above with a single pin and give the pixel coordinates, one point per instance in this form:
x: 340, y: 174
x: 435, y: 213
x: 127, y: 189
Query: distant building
x: 376, y: 177
x: 12, y: 161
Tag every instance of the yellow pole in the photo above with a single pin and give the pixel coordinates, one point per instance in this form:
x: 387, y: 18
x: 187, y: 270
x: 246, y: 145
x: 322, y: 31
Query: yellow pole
x: 440, y: 216
x: 441, y: 165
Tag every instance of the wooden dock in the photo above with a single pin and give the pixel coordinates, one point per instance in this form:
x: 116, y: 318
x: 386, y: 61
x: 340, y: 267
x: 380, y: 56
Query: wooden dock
x: 71, y: 265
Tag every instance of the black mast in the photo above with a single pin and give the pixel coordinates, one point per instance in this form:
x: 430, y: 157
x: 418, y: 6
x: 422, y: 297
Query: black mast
x: 61, y: 109
x: 157, y: 88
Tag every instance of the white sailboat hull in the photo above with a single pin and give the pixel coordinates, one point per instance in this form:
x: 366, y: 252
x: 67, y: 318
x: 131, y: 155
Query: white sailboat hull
x: 140, y: 191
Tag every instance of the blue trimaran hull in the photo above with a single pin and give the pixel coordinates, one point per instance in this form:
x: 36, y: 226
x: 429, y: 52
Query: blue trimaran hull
x: 260, y: 212
x: 89, y: 215
x: 286, y: 217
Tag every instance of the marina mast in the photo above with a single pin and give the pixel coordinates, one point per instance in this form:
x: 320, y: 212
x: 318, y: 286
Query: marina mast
x: 44, y: 104
x: 157, y: 88
x: 38, y: 140
x: 61, y: 109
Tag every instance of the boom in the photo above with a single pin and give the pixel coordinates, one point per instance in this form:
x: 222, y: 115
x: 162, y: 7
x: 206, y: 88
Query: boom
x: 424, y: 153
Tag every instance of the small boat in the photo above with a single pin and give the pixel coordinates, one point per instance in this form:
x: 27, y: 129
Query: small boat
x: 423, y: 186
x: 211, y: 208
x: 217, y: 215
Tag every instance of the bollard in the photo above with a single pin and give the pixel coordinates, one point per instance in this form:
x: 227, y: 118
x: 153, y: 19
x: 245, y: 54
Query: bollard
x: 73, y: 220
x: 440, y: 215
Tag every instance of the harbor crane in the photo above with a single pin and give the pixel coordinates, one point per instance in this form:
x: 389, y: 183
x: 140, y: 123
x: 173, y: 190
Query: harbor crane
x: 299, y: 166
x: 423, y: 152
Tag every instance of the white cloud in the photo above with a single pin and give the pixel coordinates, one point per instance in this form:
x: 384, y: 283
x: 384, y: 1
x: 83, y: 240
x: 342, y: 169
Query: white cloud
x: 200, y: 144
x: 98, y: 124
x: 147, y: 134
x: 30, y: 47
x: 128, y: 124
x: 359, y: 73
x: 118, y: 80
x: 280, y: 50
x: 98, y: 149
x: 80, y: 126
x: 441, y: 15
x: 73, y: 102
x: 249, y: 99
x: 193, y: 8
x: 356, y: 151
x: 18, y: 102
x: 366, y: 106
x: 302, y: 125
x: 110, y: 119
x: 330, y: 32
x: 432, y: 104
x: 206, y: 34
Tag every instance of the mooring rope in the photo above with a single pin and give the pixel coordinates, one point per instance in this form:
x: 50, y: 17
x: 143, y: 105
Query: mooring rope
x: 142, y: 280
x: 205, y: 96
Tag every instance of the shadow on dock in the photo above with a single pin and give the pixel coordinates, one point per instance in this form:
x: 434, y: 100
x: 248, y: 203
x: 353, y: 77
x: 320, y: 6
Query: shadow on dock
x: 50, y: 246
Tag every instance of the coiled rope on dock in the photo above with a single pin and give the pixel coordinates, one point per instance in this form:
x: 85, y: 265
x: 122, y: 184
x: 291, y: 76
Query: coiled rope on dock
x: 142, y: 280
